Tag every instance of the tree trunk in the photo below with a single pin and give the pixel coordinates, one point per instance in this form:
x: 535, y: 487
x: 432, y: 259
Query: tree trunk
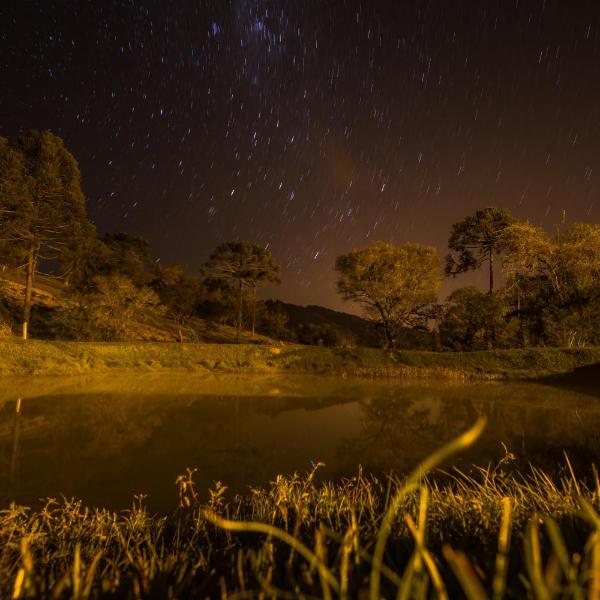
x: 388, y: 335
x: 253, y: 311
x: 180, y: 334
x: 491, y: 270
x: 30, y: 273
x: 238, y: 321
x: 387, y: 330
x: 491, y: 342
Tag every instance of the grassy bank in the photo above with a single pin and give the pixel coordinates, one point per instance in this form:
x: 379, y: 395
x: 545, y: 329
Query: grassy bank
x: 489, y: 535
x: 68, y: 358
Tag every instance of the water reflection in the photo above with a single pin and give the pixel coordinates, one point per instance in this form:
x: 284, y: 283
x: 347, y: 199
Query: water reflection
x: 535, y: 424
x: 104, y: 441
x: 13, y: 471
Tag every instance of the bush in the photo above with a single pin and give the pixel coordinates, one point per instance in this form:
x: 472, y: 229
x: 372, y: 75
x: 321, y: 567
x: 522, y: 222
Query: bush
x: 5, y: 330
x: 116, y: 304
x: 323, y: 335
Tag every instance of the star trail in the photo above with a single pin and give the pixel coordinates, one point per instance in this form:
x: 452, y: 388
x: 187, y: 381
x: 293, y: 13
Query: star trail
x: 311, y: 126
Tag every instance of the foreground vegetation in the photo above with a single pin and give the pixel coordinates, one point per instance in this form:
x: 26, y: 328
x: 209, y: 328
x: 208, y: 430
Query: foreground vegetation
x: 488, y: 534
x: 54, y: 358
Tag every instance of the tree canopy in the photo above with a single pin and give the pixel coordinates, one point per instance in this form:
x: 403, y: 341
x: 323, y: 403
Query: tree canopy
x: 115, y: 303
x: 394, y: 284
x: 180, y: 293
x: 555, y: 281
x: 472, y: 320
x: 42, y: 206
x: 476, y: 239
x: 246, y: 264
x: 567, y: 263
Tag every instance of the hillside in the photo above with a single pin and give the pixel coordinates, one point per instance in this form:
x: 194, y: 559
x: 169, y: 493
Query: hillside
x: 50, y: 298
x: 351, y: 328
x: 307, y: 324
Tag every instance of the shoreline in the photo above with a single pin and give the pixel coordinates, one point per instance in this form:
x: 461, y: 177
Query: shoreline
x: 47, y: 358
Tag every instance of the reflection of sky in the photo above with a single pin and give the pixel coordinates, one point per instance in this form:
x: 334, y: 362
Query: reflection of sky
x: 244, y: 431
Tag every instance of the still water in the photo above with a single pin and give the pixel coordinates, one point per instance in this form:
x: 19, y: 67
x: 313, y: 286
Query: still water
x: 104, y: 440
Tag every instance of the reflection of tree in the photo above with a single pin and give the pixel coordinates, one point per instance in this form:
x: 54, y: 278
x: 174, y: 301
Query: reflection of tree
x: 107, y: 446
x: 72, y: 439
x: 90, y: 446
x: 10, y: 450
x: 536, y: 423
x: 402, y: 428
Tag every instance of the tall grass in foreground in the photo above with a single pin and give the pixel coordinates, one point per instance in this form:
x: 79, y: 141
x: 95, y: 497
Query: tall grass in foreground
x: 487, y: 535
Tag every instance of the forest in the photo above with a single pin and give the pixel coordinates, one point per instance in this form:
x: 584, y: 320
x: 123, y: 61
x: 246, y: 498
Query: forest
x: 549, y: 291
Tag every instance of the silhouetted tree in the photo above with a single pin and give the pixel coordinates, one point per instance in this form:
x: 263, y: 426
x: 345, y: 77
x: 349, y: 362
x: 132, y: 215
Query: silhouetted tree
x: 274, y: 320
x: 42, y: 206
x: 129, y: 255
x: 110, y: 254
x: 477, y: 239
x: 78, y: 254
x: 219, y: 302
x: 245, y: 264
x: 395, y: 284
x: 472, y: 319
x: 179, y: 293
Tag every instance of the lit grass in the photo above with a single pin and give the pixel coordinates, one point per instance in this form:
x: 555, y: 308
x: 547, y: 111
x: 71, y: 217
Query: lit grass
x: 486, y: 535
x: 67, y: 358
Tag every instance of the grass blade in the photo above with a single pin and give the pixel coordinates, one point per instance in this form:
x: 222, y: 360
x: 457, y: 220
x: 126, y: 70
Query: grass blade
x: 499, y: 582
x: 533, y: 560
x: 594, y: 589
x: 462, y: 568
x: 275, y: 532
x: 560, y: 549
x: 459, y: 443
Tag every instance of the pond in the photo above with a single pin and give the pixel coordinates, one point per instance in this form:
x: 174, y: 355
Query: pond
x: 106, y: 439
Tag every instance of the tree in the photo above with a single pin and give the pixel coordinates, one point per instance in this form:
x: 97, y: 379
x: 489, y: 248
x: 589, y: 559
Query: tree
x: 476, y: 240
x: 14, y: 190
x: 568, y: 264
x: 42, y: 206
x: 275, y: 320
x: 116, y: 303
x: 110, y: 254
x: 472, y: 319
x: 219, y: 302
x: 179, y: 293
x: 247, y: 265
x: 556, y: 280
x: 87, y: 261
x: 129, y: 255
x: 78, y: 255
x: 394, y: 284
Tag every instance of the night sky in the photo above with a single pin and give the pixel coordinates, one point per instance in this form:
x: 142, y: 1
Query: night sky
x: 311, y: 126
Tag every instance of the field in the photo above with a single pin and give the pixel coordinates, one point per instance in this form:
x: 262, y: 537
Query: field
x: 62, y: 358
